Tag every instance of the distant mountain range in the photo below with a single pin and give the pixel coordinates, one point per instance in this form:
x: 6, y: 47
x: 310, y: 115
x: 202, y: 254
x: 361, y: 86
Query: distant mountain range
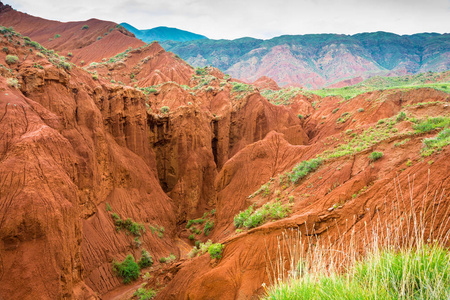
x: 320, y: 60
x: 163, y: 34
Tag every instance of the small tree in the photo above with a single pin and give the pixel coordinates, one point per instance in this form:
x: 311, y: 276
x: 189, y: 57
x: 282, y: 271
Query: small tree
x: 84, y: 27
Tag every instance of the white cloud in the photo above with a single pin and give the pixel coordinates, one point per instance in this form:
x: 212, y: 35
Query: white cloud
x: 257, y: 18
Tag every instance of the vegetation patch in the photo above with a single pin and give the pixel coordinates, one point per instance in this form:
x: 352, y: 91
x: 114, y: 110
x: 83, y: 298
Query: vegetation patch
x: 436, y: 143
x: 250, y: 217
x: 128, y: 225
x: 11, y: 59
x: 143, y: 294
x: 375, y: 156
x: 422, y: 273
x: 127, y: 269
x: 168, y: 259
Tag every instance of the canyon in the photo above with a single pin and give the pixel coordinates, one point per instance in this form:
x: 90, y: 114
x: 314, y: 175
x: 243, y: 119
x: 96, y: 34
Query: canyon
x: 93, y: 130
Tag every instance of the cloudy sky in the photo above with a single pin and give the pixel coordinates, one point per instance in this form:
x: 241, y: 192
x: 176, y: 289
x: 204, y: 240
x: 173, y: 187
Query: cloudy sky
x: 230, y: 19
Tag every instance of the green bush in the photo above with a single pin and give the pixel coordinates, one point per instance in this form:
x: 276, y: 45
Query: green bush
x: 11, y: 59
x: 242, y: 216
x: 375, y: 156
x: 146, y: 260
x: 128, y: 224
x: 215, y: 250
x: 85, y: 27
x: 196, y: 221
x: 164, y: 110
x: 191, y: 237
x: 360, y: 109
x: 208, y: 227
x: 128, y: 269
x: 143, y: 294
x: 335, y: 110
x: 401, y: 116
x: 5, y: 49
x: 57, y: 36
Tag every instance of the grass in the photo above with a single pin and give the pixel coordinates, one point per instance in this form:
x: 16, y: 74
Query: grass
x: 430, y: 124
x: 436, y: 143
x: 250, y: 218
x: 401, y: 255
x: 302, y: 169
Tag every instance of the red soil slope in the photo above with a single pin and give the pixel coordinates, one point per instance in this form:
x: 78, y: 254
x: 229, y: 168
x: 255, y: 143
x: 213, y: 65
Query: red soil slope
x: 84, y: 44
x: 144, y: 66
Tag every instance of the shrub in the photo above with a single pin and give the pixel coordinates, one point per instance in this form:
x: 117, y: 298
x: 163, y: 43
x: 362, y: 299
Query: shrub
x: 85, y: 27
x: 375, y: 156
x: 95, y: 76
x: 240, y: 218
x: 164, y: 110
x: 5, y: 49
x: 191, y: 237
x: 128, y: 269
x: 143, y: 294
x: 335, y: 110
x: 107, y: 206
x: 208, y: 227
x: 146, y: 260
x: 13, y: 82
x: 215, y: 250
x: 70, y: 54
x: 11, y: 59
x: 168, y: 259
x: 401, y: 116
x: 65, y: 65
x: 360, y: 109
x: 300, y: 116
x: 57, y: 36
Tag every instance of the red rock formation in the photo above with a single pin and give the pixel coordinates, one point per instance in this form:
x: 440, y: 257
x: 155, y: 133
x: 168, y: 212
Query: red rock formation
x: 265, y: 82
x: 145, y: 66
x: 101, y: 39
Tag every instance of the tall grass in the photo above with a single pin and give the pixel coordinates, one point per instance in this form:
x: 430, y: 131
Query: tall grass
x: 401, y: 256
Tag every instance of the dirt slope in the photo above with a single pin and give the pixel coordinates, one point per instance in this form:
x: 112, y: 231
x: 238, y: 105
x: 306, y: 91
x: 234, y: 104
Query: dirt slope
x: 100, y: 39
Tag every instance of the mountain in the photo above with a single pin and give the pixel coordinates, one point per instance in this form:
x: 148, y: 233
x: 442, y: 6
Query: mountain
x: 319, y: 60
x: 163, y: 34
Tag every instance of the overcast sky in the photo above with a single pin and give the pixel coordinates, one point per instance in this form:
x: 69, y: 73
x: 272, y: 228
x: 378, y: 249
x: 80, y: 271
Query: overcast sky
x: 230, y: 19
